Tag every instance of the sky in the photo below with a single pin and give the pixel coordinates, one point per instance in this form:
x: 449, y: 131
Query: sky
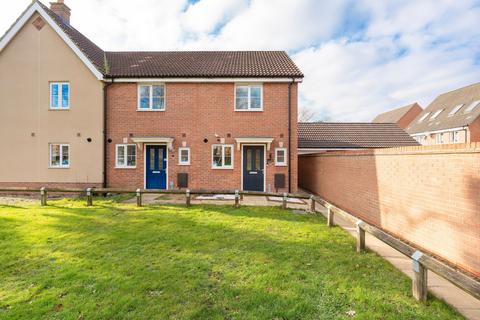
x: 359, y: 57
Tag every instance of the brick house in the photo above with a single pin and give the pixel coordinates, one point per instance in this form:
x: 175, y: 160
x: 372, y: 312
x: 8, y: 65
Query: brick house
x: 452, y: 117
x: 202, y: 120
x: 402, y: 116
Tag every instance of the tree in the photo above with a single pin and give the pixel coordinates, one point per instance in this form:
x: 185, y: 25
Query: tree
x: 306, y: 114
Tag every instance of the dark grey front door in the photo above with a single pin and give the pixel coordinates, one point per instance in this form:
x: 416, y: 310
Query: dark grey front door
x: 253, y: 168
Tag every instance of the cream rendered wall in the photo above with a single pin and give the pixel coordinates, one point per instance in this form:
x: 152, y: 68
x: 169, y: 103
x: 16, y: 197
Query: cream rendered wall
x: 27, y: 64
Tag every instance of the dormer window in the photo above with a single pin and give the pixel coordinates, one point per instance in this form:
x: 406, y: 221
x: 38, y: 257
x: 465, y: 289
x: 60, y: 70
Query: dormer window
x: 248, y: 97
x: 59, y: 95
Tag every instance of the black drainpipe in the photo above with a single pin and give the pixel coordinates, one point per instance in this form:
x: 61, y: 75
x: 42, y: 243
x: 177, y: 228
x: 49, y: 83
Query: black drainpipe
x: 105, y: 143
x: 290, y: 134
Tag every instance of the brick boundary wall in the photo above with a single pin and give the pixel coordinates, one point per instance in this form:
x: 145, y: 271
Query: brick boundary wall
x: 50, y: 185
x: 428, y: 195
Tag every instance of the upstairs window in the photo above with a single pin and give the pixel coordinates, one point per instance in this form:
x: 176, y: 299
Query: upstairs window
x: 455, y: 136
x: 59, y: 95
x: 472, y: 106
x: 439, y: 138
x: 455, y: 110
x: 151, y: 97
x: 126, y: 156
x: 248, y: 97
x: 222, y: 156
x: 59, y: 155
x: 435, y: 114
x: 424, y: 117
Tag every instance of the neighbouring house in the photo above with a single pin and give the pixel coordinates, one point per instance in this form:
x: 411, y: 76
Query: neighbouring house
x: 77, y: 115
x: 402, y: 117
x: 453, y: 117
x: 317, y: 137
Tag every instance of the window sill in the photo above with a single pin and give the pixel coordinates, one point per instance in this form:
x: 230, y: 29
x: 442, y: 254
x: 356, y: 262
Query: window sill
x: 59, y: 167
x: 248, y: 110
x: 117, y: 167
x: 58, y: 109
x: 222, y: 168
x: 280, y: 164
x: 184, y: 164
x: 151, y: 110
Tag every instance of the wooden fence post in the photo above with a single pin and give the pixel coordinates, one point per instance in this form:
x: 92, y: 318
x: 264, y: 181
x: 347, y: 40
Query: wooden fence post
x: 237, y: 199
x: 329, y: 218
x: 360, y: 237
x: 312, y: 204
x: 187, y: 198
x: 89, y: 197
x: 43, y: 196
x: 139, y: 198
x: 419, y: 281
x: 284, y: 201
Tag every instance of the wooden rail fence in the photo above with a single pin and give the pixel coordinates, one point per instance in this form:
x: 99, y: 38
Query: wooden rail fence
x: 421, y: 262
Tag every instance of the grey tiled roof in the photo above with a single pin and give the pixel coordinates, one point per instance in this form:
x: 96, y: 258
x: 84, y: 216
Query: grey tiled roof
x: 447, y: 102
x: 346, y: 135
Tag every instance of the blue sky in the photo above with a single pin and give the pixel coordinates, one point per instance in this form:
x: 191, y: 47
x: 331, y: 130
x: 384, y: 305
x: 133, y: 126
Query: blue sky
x: 359, y: 57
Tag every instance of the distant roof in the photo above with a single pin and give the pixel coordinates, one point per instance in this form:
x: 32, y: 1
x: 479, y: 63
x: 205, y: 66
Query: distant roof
x: 202, y: 64
x: 393, y: 116
x: 446, y: 111
x: 353, y: 135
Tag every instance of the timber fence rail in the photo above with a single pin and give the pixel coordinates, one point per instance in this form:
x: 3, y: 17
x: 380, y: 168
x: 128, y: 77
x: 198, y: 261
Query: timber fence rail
x: 421, y: 262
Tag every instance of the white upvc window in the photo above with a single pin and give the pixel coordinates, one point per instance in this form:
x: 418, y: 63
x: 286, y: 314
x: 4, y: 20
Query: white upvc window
x: 126, y: 156
x: 281, y: 156
x: 472, y: 106
x: 222, y: 156
x: 59, y: 155
x: 59, y: 95
x: 435, y: 115
x: 151, y: 97
x: 455, y: 136
x: 248, y: 97
x: 439, y: 137
x: 184, y: 156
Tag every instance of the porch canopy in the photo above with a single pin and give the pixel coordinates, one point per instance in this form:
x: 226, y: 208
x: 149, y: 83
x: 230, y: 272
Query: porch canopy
x: 260, y: 140
x: 165, y: 140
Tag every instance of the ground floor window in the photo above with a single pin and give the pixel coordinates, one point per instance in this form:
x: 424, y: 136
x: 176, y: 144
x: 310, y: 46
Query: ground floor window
x: 126, y: 156
x: 222, y: 156
x: 455, y: 136
x: 439, y: 138
x: 184, y: 156
x: 59, y: 155
x: 280, y: 156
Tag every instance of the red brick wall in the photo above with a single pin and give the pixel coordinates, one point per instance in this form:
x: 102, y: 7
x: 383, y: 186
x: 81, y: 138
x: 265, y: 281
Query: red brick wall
x: 426, y: 195
x: 409, y: 116
x: 199, y: 111
x: 50, y: 185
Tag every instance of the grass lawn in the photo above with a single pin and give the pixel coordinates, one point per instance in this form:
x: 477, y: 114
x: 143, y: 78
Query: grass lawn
x: 117, y: 261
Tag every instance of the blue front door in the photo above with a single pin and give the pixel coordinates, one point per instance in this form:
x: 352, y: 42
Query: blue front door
x: 156, y: 167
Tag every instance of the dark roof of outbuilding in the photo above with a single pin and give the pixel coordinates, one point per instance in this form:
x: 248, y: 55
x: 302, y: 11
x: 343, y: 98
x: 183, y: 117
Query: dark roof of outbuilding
x: 393, y: 116
x: 447, y: 102
x: 351, y: 135
x: 202, y: 64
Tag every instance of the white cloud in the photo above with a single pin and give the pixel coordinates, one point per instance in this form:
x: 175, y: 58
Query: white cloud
x: 393, y: 52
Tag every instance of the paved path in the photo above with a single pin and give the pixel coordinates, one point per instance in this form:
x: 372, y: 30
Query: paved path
x: 463, y: 302
x: 467, y: 305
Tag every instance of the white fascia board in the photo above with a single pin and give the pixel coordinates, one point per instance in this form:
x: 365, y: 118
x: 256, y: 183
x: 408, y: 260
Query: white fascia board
x: 207, y: 79
x: 35, y: 7
x: 438, y: 131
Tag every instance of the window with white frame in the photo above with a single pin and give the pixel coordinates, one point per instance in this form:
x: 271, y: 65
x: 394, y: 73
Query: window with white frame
x: 424, y: 117
x: 455, y: 136
x: 248, y: 97
x: 435, y: 115
x: 222, y: 156
x: 439, y: 138
x: 59, y: 95
x: 184, y: 156
x: 280, y: 156
x: 126, y: 156
x: 151, y: 97
x: 59, y: 155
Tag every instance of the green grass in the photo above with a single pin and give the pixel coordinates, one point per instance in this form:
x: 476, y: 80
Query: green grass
x: 117, y: 261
